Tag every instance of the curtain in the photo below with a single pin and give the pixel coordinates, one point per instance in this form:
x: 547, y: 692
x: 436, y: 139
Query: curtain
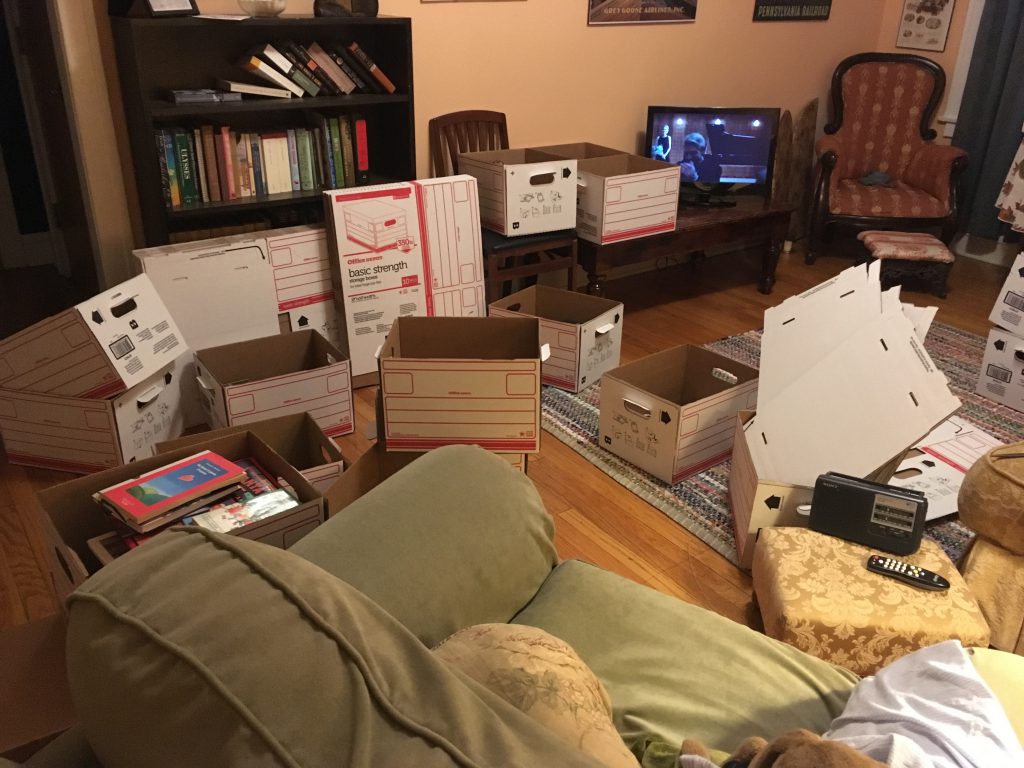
x: 992, y: 113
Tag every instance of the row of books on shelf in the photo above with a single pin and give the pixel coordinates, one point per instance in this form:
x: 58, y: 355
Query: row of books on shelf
x: 205, y: 489
x: 214, y: 163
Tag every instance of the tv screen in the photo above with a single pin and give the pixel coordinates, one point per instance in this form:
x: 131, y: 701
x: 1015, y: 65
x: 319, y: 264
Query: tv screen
x: 719, y: 150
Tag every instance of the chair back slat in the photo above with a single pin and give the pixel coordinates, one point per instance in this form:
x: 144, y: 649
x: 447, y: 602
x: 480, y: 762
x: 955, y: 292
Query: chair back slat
x: 467, y: 131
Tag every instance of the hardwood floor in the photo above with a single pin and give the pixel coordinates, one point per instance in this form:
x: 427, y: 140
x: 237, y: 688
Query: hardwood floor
x: 596, y: 518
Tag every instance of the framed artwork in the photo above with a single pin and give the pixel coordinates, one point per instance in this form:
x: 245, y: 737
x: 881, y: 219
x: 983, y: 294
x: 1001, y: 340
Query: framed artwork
x: 787, y: 10
x: 924, y: 24
x: 602, y: 12
x: 152, y: 8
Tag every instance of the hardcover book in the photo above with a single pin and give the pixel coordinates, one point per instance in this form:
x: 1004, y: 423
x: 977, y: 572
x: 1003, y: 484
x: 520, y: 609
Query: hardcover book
x: 371, y: 65
x: 228, y: 516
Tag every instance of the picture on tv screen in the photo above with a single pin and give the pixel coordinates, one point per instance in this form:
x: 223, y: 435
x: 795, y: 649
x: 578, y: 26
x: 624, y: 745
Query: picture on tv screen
x: 718, y: 147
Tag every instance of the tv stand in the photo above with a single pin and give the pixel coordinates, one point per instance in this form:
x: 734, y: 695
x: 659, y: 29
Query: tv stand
x: 705, y: 200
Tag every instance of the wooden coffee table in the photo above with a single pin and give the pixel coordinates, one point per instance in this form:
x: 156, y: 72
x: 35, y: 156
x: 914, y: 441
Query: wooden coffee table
x: 750, y: 222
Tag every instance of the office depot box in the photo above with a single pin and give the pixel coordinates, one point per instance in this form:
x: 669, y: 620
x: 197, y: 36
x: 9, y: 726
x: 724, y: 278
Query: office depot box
x: 76, y: 434
x: 1002, y: 369
x: 450, y: 380
x: 258, y: 379
x: 96, y: 349
x: 434, y: 268
x: 296, y: 438
x: 522, y: 191
x: 584, y: 333
x: 219, y: 290
x: 671, y: 413
x: 70, y: 517
x: 300, y: 262
x: 1008, y: 311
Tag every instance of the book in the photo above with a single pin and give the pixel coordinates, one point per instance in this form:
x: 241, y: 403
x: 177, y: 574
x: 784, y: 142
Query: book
x: 354, y: 76
x: 259, y: 67
x: 154, y: 493
x: 348, y: 159
x: 369, y: 81
x: 247, y: 149
x: 254, y: 90
x: 165, y: 185
x: 341, y: 178
x: 322, y: 135
x: 210, y: 159
x: 232, y: 161
x: 360, y: 142
x: 276, y: 166
x: 305, y: 149
x: 225, y: 166
x: 293, y: 160
x: 128, y: 526
x: 297, y: 69
x: 170, y: 159
x: 186, y: 168
x: 257, y: 164
x: 344, y: 83
x: 195, y: 143
x: 371, y: 65
x: 202, y: 96
x: 231, y: 515
x: 310, y: 67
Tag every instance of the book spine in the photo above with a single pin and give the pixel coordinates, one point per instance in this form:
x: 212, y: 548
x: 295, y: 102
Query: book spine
x: 226, y: 166
x: 343, y: 83
x: 301, y: 74
x: 257, y: 165
x: 355, y: 77
x: 339, y: 168
x: 330, y: 173
x: 195, y: 143
x: 371, y: 65
x: 233, y: 162
x: 186, y: 169
x: 362, y: 149
x: 372, y: 86
x: 259, y: 67
x: 319, y: 174
x: 293, y: 160
x: 242, y: 158
x: 165, y: 183
x: 210, y: 157
x: 247, y: 141
x: 305, y: 160
x: 317, y: 72
x: 347, y: 148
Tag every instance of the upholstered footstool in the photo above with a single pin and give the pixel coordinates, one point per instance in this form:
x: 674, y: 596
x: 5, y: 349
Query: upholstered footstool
x: 914, y: 259
x: 815, y: 593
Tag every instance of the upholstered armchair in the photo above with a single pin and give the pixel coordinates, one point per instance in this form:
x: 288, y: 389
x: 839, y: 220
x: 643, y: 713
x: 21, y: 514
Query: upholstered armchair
x: 882, y: 107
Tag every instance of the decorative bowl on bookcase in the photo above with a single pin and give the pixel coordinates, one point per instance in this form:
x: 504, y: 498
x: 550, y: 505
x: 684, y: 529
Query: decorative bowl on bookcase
x: 262, y: 7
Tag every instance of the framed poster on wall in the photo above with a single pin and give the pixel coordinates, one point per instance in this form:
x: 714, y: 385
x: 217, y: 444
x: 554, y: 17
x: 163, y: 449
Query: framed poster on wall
x: 787, y: 10
x: 924, y: 24
x: 601, y: 12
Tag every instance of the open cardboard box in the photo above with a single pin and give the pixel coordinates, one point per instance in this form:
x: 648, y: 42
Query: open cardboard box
x: 258, y: 379
x: 446, y: 380
x: 671, y: 413
x: 583, y: 332
x: 70, y: 517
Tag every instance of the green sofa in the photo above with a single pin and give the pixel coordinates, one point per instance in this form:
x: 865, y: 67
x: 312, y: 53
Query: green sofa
x: 207, y: 650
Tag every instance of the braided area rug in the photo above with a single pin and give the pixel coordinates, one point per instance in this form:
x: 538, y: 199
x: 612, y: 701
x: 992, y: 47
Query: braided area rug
x: 701, y: 503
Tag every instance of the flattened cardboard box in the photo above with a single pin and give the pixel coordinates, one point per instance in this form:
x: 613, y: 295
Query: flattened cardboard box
x: 262, y: 378
x: 296, y: 437
x: 96, y: 349
x: 70, y: 517
x: 75, y: 434
x: 397, y: 250
x: 621, y: 196
x: 1002, y: 369
x: 522, y: 191
x: 1008, y: 311
x: 584, y: 333
x: 671, y: 413
x: 447, y: 381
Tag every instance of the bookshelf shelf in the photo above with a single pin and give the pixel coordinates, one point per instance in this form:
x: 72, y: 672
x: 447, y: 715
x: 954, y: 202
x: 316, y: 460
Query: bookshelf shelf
x: 155, y: 56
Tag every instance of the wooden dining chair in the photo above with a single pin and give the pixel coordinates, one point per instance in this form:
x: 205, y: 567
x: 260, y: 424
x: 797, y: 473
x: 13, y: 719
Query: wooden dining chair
x: 505, y: 258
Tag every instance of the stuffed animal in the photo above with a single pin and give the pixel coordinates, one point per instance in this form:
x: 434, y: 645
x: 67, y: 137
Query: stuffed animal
x: 795, y: 749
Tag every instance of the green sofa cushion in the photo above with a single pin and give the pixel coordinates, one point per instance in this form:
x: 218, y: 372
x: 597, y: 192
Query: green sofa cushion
x: 200, y: 649
x: 676, y: 671
x: 456, y: 538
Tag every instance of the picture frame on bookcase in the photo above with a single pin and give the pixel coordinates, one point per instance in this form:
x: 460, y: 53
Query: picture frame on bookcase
x: 152, y: 8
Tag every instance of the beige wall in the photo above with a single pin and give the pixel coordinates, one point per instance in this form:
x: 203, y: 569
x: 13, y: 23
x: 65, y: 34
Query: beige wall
x: 559, y: 80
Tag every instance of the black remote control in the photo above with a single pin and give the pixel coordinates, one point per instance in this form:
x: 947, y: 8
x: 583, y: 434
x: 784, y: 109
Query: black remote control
x: 910, y: 574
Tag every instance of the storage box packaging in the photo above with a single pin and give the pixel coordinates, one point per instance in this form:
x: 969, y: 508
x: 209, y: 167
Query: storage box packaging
x: 1008, y: 311
x: 70, y: 517
x: 296, y: 438
x: 407, y: 249
x: 96, y: 349
x: 522, y: 191
x: 621, y: 196
x: 584, y: 333
x: 219, y: 290
x: 462, y: 380
x: 1002, y: 369
x: 258, y: 379
x: 75, y: 434
x: 671, y: 413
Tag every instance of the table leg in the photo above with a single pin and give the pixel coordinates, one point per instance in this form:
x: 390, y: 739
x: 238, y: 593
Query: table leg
x: 768, y: 265
x: 587, y: 254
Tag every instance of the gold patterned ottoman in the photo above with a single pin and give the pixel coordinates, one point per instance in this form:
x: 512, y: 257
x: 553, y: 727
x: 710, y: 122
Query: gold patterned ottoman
x: 815, y: 593
x: 915, y: 259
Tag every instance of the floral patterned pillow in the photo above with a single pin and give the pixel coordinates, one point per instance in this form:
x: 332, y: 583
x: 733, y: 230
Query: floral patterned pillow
x: 545, y: 678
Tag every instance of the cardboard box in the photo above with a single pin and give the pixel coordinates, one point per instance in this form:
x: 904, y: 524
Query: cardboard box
x: 297, y: 438
x: 261, y: 378
x: 462, y: 380
x: 523, y: 191
x: 1002, y: 369
x: 671, y: 413
x: 1008, y: 311
x: 621, y: 196
x: 75, y: 434
x: 434, y: 269
x: 70, y: 516
x: 583, y: 332
x: 97, y: 349
x: 220, y: 291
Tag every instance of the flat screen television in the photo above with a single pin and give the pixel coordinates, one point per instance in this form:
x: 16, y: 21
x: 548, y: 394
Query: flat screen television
x: 720, y: 151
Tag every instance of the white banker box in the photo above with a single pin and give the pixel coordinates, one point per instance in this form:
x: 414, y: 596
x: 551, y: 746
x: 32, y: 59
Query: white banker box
x: 407, y: 249
x: 584, y: 333
x: 1008, y: 311
x: 449, y: 380
x: 672, y: 413
x: 1002, y: 369
x: 97, y: 349
x: 260, y: 379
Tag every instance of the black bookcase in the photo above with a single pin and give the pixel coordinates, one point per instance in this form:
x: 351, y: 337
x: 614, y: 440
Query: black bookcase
x: 155, y: 56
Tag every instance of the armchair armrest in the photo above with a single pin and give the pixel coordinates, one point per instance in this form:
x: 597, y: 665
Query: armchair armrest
x: 932, y: 168
x: 827, y: 144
